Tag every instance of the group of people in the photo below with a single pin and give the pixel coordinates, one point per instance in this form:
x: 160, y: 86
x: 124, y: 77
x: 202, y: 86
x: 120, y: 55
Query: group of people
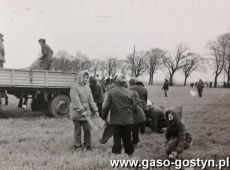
x: 200, y: 86
x: 124, y: 108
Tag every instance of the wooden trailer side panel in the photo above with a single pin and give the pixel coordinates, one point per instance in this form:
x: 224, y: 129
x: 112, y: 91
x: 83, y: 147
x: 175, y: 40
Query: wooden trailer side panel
x: 36, y: 78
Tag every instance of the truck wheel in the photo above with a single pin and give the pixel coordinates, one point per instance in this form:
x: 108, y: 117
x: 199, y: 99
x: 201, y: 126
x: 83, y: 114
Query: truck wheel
x: 59, y: 106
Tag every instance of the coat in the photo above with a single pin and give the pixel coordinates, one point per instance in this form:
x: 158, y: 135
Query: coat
x: 96, y: 89
x: 200, y: 85
x: 143, y: 94
x: 2, y: 51
x: 176, y: 129
x: 138, y: 113
x: 81, y: 99
x: 120, y: 104
x: 47, y: 53
x: 165, y: 85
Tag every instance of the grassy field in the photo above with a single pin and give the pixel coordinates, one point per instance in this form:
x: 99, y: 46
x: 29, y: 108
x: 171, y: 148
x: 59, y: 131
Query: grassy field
x: 31, y: 140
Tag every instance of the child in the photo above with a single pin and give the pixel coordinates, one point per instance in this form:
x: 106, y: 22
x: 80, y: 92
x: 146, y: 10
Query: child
x: 176, y: 134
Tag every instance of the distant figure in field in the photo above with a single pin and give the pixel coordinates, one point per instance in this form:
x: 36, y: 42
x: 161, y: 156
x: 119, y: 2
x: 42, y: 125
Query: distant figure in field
x: 47, y: 53
x: 2, y: 61
x: 191, y: 85
x: 166, y: 87
x: 200, y: 87
x: 210, y: 84
x: 177, y: 137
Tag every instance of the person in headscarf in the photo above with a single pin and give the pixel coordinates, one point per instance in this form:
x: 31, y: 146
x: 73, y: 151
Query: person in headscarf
x: 82, y: 105
x: 177, y: 137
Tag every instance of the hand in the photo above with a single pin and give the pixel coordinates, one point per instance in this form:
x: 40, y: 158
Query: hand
x: 97, y: 114
x: 85, y: 113
x: 174, y: 153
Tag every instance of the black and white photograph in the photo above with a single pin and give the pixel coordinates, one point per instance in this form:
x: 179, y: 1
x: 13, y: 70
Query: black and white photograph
x: 114, y: 84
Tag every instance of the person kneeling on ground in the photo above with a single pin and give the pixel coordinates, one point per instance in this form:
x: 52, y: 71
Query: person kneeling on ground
x: 82, y: 105
x: 176, y: 134
x: 156, y: 121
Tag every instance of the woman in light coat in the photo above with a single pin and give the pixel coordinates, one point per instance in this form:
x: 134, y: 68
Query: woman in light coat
x: 82, y: 105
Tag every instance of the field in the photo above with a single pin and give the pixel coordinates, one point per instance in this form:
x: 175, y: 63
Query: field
x: 33, y: 141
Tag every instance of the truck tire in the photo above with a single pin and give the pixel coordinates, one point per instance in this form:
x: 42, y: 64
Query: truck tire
x: 59, y: 106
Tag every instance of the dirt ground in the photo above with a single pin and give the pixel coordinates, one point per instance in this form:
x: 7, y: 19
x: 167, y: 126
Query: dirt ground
x: 30, y: 140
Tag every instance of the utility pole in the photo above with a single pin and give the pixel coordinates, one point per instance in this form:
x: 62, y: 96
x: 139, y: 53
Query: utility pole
x: 133, y: 61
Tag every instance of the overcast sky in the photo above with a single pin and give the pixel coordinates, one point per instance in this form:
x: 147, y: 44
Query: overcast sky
x: 104, y: 28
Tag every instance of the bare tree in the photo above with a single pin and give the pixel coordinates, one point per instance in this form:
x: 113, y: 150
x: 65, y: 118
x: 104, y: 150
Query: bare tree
x: 85, y: 63
x: 62, y: 61
x: 124, y: 67
x: 191, y: 63
x: 153, y: 62
x: 111, y: 66
x: 95, y: 66
x: 225, y: 43
x: 174, y: 62
x: 219, y: 57
x: 137, y: 63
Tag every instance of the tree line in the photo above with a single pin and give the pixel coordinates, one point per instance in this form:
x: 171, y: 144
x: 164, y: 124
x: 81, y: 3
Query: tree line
x: 151, y: 61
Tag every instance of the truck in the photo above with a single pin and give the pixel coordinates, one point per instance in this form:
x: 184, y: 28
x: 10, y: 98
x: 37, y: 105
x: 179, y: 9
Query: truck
x: 49, y: 90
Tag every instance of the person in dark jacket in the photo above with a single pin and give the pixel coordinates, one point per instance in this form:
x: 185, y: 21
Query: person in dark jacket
x: 139, y: 116
x: 177, y: 138
x: 166, y: 87
x: 47, y: 53
x: 157, y: 119
x: 143, y: 94
x: 200, y: 87
x: 97, y: 92
x: 120, y: 104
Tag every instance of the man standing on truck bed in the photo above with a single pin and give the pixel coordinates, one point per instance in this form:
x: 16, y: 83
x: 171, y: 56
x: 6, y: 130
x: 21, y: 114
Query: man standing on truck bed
x: 2, y: 51
x: 47, y: 53
x: 2, y: 60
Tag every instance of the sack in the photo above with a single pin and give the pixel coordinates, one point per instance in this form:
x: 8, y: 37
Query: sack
x: 95, y: 122
x: 139, y: 115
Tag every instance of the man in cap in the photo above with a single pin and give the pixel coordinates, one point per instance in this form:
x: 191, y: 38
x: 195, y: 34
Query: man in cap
x: 2, y: 51
x: 47, y: 53
x: 120, y: 104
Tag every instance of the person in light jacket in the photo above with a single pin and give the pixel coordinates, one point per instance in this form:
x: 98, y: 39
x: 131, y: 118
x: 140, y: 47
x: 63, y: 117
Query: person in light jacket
x: 82, y: 105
